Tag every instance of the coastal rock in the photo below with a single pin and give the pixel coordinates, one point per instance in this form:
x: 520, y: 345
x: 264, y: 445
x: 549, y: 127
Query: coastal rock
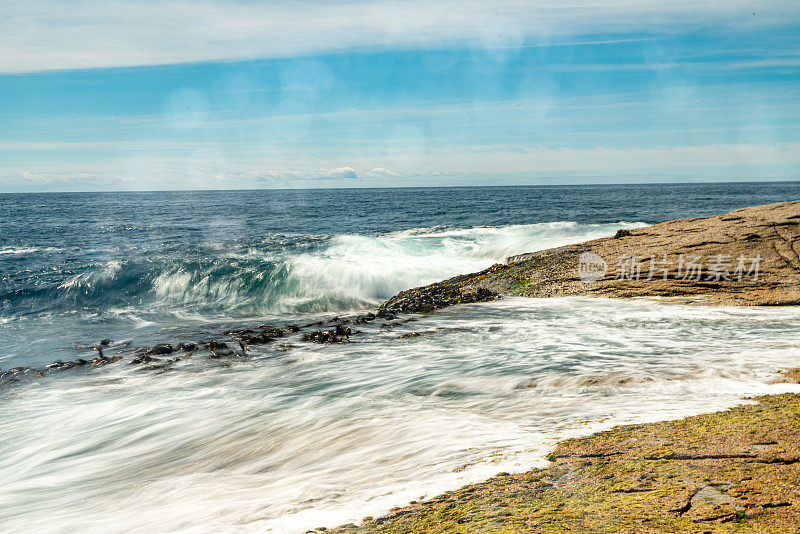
x: 435, y: 296
x: 143, y: 358
x: 258, y: 339
x: 216, y: 345
x: 338, y: 335
x: 161, y: 348
x: 103, y: 360
x: 15, y: 373
x: 763, y: 241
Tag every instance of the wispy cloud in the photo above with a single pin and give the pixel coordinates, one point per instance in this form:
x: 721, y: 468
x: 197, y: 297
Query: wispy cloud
x: 40, y: 35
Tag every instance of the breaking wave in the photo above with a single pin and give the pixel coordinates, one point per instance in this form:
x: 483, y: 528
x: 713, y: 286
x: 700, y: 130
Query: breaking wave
x: 305, y: 274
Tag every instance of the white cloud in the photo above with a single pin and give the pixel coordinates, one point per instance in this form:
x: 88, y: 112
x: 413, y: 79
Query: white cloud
x: 40, y: 35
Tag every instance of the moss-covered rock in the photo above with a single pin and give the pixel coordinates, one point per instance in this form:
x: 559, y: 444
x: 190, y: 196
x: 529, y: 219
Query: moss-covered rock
x: 732, y: 471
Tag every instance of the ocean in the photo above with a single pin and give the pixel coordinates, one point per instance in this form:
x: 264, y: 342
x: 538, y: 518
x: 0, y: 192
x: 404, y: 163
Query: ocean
x: 292, y: 435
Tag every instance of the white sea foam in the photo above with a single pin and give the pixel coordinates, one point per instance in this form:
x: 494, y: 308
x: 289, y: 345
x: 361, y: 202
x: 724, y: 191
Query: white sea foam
x: 27, y: 250
x: 323, y: 435
x: 353, y: 271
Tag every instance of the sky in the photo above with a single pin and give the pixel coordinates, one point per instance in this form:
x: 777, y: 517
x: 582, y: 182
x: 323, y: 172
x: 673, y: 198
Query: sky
x: 178, y: 94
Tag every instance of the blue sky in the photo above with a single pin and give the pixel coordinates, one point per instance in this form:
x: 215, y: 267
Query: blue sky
x: 211, y: 95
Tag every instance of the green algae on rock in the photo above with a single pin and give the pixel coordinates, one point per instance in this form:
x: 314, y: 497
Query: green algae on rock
x: 731, y: 471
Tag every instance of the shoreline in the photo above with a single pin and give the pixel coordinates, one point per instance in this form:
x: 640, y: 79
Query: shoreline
x: 737, y: 469
x: 748, y: 257
x: 717, y: 472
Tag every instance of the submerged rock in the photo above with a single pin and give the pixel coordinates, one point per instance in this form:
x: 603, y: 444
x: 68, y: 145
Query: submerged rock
x: 259, y: 339
x: 216, y: 345
x: 161, y: 348
x: 143, y: 358
x: 103, y: 360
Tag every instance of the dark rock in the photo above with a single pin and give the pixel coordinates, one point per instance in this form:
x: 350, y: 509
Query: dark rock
x: 326, y: 336
x: 186, y: 347
x: 161, y: 348
x: 343, y: 331
x: 216, y: 345
x: 260, y: 339
x: 383, y: 313
x: 103, y: 360
x: 622, y: 233
x: 143, y: 358
x: 365, y: 318
x: 435, y: 296
x: 62, y: 365
x: 239, y: 331
x: 105, y: 342
x: 15, y: 372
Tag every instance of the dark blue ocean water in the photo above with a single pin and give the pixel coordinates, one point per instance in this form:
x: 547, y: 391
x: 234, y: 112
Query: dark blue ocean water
x: 75, y: 268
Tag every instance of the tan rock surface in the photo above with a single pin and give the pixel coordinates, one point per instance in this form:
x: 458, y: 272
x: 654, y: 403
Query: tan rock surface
x: 770, y: 233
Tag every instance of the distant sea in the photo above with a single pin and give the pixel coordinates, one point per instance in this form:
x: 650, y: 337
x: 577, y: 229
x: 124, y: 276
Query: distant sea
x: 291, y: 439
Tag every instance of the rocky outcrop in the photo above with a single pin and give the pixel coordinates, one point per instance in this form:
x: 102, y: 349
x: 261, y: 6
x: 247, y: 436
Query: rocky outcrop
x: 435, y: 296
x: 749, y: 256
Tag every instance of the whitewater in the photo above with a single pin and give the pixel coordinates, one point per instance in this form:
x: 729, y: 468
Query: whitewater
x: 297, y: 435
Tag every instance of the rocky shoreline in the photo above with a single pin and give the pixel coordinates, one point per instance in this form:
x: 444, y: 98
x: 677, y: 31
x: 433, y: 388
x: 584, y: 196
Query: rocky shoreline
x: 737, y: 470
x: 731, y: 471
x: 750, y: 256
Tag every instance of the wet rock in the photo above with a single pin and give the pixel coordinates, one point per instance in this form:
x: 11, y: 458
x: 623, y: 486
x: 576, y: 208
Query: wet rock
x: 143, y: 358
x: 325, y: 336
x: 216, y: 345
x: 239, y: 331
x: 161, y: 348
x: 103, y: 360
x: 435, y: 296
x: 410, y: 334
x: 364, y: 318
x: 259, y: 339
x: 186, y: 347
x: 15, y: 372
x: 105, y: 342
x: 384, y: 313
x: 343, y: 331
x: 62, y: 365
